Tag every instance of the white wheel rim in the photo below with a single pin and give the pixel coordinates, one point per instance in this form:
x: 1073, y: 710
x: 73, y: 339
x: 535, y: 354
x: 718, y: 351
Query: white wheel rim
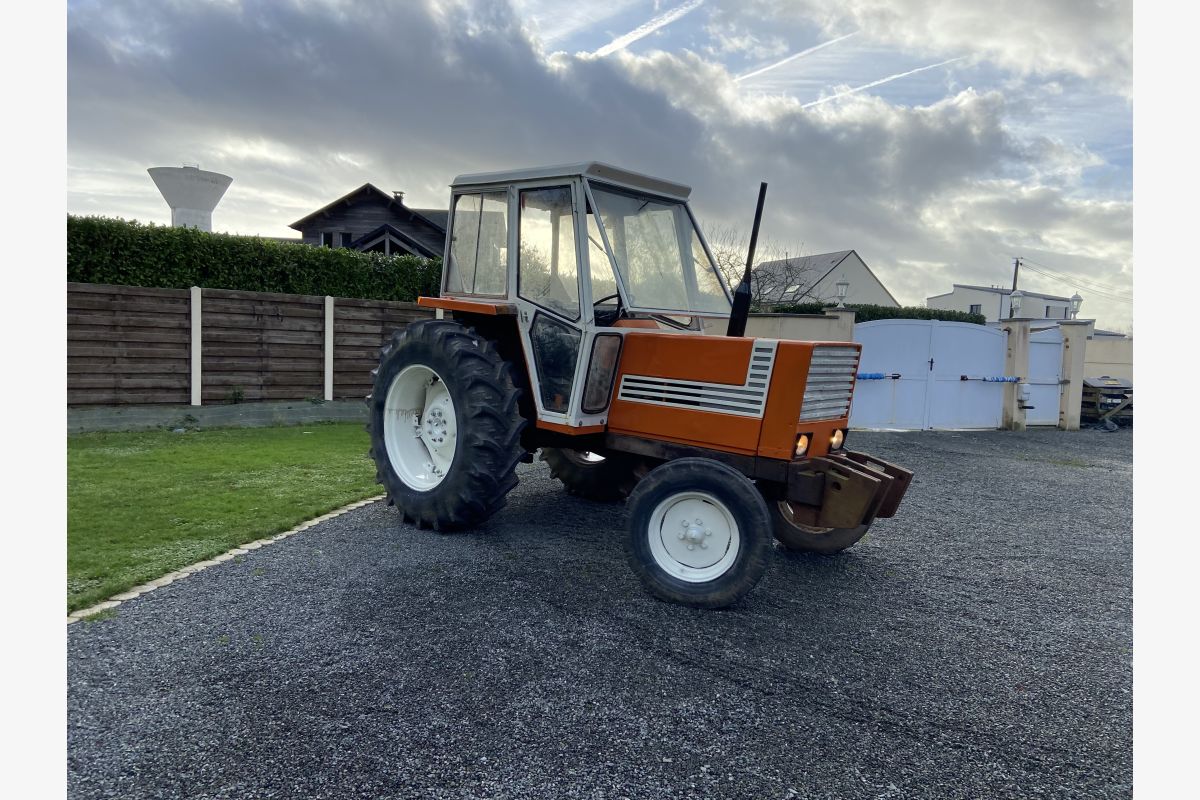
x: 693, y: 537
x: 420, y: 429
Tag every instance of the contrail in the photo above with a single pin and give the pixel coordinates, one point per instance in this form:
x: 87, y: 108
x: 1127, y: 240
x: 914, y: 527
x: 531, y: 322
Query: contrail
x: 792, y: 57
x: 662, y: 20
x: 888, y: 79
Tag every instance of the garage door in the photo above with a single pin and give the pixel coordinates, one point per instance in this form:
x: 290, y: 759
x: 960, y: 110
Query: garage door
x: 926, y: 374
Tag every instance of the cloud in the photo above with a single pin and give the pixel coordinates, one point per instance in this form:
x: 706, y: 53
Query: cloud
x: 302, y: 103
x: 1092, y: 40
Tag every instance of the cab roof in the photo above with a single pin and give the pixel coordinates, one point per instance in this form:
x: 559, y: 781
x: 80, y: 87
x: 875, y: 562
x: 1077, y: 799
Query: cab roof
x: 597, y: 170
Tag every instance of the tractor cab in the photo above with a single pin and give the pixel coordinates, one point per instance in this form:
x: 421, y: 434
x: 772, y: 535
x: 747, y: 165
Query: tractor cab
x: 576, y: 254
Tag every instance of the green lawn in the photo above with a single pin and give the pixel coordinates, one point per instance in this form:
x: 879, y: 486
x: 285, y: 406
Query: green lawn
x: 141, y: 505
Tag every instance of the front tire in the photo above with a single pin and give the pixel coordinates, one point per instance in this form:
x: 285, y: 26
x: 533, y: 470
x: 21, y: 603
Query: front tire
x: 698, y: 533
x: 444, y: 424
x: 806, y: 538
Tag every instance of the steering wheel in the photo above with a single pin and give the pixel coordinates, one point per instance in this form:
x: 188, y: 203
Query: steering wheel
x: 609, y: 317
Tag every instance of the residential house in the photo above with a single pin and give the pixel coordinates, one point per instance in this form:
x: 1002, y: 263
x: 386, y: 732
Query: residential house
x: 995, y: 303
x: 370, y: 219
x: 811, y: 279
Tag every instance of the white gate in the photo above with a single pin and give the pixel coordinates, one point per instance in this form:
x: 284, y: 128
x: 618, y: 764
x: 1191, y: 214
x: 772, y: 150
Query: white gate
x: 1045, y: 377
x: 917, y: 374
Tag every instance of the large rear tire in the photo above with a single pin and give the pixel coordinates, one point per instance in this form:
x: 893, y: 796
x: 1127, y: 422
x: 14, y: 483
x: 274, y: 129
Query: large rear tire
x: 605, y: 479
x: 806, y: 538
x: 699, y: 533
x: 444, y: 424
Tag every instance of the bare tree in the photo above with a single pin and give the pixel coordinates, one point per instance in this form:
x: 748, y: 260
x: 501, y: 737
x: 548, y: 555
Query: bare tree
x: 780, y: 275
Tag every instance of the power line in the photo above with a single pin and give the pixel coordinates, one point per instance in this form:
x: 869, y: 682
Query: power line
x: 1079, y: 282
x: 1094, y: 287
x: 1090, y: 289
x: 1070, y: 278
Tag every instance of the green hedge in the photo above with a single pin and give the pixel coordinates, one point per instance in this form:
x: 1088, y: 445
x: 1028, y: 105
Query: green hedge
x: 868, y: 313
x: 102, y: 250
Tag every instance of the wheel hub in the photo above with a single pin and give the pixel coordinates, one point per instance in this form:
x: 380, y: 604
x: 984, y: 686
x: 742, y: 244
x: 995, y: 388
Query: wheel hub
x: 694, y: 537
x: 420, y: 427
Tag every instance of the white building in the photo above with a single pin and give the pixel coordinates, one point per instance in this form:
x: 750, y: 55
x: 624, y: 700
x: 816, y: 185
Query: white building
x: 995, y: 303
x: 811, y: 279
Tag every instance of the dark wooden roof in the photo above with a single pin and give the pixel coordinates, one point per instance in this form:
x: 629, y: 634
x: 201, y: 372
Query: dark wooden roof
x: 429, y: 216
x: 410, y: 242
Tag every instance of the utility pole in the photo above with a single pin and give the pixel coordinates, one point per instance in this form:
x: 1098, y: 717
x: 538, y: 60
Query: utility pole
x: 1016, y: 269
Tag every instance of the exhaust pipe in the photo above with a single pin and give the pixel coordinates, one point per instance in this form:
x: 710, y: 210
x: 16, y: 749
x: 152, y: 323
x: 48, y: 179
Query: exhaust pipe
x: 741, y: 297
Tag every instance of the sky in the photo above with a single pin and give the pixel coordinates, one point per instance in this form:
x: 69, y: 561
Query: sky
x: 938, y: 138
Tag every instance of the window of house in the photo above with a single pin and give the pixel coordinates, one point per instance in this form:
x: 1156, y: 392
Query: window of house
x: 347, y: 238
x: 976, y: 308
x: 1048, y: 311
x: 326, y: 238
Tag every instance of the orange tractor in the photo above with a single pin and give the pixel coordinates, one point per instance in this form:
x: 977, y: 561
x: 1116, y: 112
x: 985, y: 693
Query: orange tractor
x: 576, y: 295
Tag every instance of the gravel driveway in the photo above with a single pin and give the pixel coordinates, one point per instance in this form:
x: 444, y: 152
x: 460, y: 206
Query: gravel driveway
x: 977, y: 645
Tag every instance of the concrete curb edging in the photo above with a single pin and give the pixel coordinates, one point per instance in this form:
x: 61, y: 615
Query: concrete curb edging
x: 191, y: 569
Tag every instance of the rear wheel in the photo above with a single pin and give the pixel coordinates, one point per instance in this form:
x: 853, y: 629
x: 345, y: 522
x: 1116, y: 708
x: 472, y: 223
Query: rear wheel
x: 797, y: 536
x: 606, y: 479
x: 698, y: 533
x: 444, y: 424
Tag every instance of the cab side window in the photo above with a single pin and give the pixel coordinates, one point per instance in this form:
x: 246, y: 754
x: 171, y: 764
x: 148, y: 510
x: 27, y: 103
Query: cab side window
x: 548, y: 263
x: 479, y: 244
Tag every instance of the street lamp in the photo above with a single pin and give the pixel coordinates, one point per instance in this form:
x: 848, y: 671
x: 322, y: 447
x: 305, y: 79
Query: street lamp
x: 1014, y: 303
x: 842, y: 287
x: 1076, y: 302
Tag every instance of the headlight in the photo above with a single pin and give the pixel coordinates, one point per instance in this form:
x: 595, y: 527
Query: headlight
x: 837, y: 439
x: 801, y: 445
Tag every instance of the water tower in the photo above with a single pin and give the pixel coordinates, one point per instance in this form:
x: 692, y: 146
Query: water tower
x: 192, y: 193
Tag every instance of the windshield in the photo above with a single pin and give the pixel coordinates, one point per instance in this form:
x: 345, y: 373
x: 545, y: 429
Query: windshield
x: 659, y: 254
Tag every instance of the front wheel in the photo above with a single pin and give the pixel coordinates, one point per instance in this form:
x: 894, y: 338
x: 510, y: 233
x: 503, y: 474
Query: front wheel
x: 698, y: 533
x: 794, y: 535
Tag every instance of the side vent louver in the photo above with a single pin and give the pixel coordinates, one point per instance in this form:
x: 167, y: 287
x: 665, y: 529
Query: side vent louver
x: 747, y: 400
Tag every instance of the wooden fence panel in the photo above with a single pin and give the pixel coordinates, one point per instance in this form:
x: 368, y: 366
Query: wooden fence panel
x: 360, y: 329
x: 132, y: 345
x: 258, y: 346
x: 127, y: 344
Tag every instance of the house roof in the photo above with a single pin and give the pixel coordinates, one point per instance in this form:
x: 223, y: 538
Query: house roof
x: 437, y: 217
x: 410, y: 242
x: 433, y: 217
x: 823, y: 263
x: 998, y: 290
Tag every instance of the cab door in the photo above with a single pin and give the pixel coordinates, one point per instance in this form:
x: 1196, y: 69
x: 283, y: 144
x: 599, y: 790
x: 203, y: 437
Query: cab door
x: 552, y: 306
